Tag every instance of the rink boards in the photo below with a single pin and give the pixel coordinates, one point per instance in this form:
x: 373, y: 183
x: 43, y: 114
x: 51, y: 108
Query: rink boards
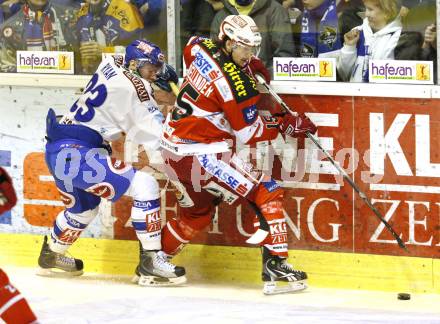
x: 242, y: 265
x: 391, y: 144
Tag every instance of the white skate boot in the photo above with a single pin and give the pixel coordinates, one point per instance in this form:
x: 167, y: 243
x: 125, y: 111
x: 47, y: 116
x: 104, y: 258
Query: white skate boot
x: 57, y: 264
x: 276, y: 270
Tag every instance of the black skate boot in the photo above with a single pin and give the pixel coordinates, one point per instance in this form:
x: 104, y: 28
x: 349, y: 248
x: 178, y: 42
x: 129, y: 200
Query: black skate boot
x: 154, y: 269
x: 276, y: 269
x: 57, y: 264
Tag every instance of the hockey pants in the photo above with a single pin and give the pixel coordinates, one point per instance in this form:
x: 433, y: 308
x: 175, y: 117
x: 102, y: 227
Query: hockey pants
x: 203, y: 181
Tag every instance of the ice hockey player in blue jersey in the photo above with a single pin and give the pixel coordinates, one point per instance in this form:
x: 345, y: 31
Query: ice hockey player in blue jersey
x: 117, y: 100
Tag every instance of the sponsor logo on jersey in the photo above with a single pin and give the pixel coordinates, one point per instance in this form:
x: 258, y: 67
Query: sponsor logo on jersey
x: 243, y: 86
x: 233, y: 72
x: 141, y: 91
x: 67, y: 199
x: 213, y: 167
x: 73, y: 222
x: 204, y: 64
x: 153, y: 217
x: 250, y: 114
x: 224, y: 89
x: 119, y: 60
x: 209, y: 43
x: 271, y: 185
x: 279, y: 228
x: 103, y: 190
x: 69, y: 236
x: 119, y: 167
x: 146, y: 205
x: 168, y: 146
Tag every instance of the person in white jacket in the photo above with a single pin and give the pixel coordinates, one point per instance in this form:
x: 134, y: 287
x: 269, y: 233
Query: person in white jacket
x: 376, y: 39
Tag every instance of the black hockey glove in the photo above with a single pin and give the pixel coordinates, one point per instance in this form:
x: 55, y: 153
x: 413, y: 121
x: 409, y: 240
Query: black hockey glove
x: 167, y: 75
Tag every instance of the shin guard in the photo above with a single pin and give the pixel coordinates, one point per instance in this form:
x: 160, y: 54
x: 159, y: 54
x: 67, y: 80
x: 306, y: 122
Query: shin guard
x: 145, y: 217
x: 276, y: 240
x: 68, y: 227
x: 179, y: 232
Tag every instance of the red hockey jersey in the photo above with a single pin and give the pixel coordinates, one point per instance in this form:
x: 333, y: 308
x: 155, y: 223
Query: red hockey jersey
x: 216, y: 102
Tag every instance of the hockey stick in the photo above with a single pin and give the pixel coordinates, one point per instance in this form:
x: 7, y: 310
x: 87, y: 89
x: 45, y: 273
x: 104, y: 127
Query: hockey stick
x: 174, y: 88
x: 315, y: 140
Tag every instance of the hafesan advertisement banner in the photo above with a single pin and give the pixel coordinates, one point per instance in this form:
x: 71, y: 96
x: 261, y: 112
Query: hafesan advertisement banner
x: 45, y: 62
x: 304, y: 69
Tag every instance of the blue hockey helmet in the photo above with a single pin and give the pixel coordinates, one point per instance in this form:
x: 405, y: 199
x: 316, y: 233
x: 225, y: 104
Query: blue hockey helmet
x: 142, y: 52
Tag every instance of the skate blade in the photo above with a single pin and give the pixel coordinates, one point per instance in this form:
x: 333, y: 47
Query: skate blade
x: 153, y: 281
x: 273, y: 287
x: 58, y: 273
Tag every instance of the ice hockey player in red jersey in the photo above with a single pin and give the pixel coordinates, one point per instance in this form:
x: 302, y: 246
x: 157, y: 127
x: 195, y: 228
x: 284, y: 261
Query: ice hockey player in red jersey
x: 216, y: 104
x: 13, y: 307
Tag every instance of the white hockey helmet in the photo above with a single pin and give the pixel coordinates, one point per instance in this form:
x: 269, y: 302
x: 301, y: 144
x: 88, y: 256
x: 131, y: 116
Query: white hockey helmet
x: 241, y: 29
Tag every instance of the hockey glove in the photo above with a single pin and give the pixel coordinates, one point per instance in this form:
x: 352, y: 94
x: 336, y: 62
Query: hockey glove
x: 256, y: 66
x: 168, y: 74
x: 8, y: 199
x: 297, y: 126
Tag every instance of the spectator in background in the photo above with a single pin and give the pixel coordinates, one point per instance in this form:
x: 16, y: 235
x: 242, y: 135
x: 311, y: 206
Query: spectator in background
x: 379, y: 37
x: 38, y: 26
x: 272, y: 21
x: 149, y: 10
x: 154, y: 16
x: 417, y: 14
x: 350, y: 13
x: 102, y: 25
x: 319, y: 36
x: 429, y: 47
x: 70, y: 3
x: 197, y: 16
x: 8, y: 8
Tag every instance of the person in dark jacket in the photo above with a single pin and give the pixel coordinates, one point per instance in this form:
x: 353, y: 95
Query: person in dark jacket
x: 429, y: 47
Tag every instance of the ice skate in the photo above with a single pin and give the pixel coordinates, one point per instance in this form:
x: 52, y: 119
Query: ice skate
x: 276, y: 271
x: 154, y: 269
x: 57, y: 264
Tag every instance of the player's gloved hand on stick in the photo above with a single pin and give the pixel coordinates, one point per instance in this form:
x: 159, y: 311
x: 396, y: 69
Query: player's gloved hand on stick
x: 297, y: 126
x: 168, y: 74
x: 256, y: 66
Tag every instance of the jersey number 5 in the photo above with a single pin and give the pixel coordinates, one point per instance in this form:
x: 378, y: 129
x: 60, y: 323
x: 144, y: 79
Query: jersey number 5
x: 183, y: 108
x: 93, y: 97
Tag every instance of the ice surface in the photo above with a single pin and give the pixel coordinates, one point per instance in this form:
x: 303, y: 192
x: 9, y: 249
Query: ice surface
x: 95, y: 298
